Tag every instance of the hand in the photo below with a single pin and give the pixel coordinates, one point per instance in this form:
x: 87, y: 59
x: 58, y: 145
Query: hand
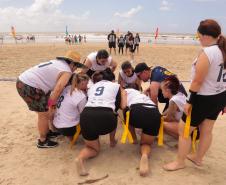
x: 187, y: 108
x: 147, y: 92
x: 51, y: 113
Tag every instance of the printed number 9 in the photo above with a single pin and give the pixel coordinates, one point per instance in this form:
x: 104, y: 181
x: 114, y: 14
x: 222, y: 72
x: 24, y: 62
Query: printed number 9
x: 59, y: 101
x: 99, y: 91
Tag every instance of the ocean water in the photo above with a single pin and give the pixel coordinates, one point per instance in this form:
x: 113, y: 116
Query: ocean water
x: 101, y: 37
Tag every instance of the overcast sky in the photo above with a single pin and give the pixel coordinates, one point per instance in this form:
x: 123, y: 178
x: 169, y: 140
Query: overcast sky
x: 171, y: 16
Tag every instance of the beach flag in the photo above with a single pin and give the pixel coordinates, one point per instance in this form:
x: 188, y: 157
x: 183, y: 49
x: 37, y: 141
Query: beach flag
x: 156, y: 33
x: 66, y: 32
x: 13, y: 31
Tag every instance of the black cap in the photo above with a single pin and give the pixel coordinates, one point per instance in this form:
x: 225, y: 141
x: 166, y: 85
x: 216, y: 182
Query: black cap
x: 141, y: 67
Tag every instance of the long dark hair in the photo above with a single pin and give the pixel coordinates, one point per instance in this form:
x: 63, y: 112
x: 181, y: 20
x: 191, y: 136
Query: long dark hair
x: 172, y: 83
x: 212, y: 28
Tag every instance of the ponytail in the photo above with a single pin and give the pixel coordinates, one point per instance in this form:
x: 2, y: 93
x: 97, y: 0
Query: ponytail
x: 222, y: 45
x: 77, y: 79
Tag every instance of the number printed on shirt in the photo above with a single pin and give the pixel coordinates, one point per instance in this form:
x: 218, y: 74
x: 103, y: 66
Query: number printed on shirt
x: 99, y: 91
x: 45, y: 64
x: 60, y: 101
x: 221, y: 74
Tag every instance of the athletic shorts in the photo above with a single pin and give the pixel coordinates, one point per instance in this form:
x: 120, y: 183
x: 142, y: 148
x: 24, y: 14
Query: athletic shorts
x: 70, y: 131
x: 112, y: 44
x: 120, y: 45
x: 127, y: 45
x: 206, y: 107
x: 95, y: 121
x: 36, y: 99
x: 146, y: 117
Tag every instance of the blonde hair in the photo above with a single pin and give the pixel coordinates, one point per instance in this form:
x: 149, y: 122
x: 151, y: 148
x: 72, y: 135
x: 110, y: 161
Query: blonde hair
x: 77, y: 79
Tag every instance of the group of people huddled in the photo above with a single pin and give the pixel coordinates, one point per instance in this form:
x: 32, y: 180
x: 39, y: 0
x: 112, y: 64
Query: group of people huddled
x: 89, y: 99
x: 74, y: 39
x: 129, y: 41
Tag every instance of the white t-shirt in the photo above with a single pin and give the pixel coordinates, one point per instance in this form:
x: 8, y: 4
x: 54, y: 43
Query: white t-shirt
x: 128, y: 80
x: 103, y: 94
x: 180, y: 100
x: 135, y: 96
x: 44, y: 76
x: 95, y: 66
x: 215, y: 80
x: 69, y: 108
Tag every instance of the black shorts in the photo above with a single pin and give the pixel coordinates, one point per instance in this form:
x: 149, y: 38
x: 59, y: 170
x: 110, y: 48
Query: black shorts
x: 36, y: 99
x: 146, y: 118
x: 70, y: 131
x: 95, y: 121
x: 127, y: 45
x: 120, y: 45
x: 112, y: 44
x: 206, y: 107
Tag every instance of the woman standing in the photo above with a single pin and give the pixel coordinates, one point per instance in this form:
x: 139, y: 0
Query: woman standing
x: 207, y: 93
x: 35, y: 85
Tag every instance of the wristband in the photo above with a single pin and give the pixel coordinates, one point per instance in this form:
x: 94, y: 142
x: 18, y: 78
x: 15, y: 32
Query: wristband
x: 51, y: 102
x: 191, y: 97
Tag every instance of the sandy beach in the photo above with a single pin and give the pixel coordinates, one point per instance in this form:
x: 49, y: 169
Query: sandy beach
x: 22, y: 163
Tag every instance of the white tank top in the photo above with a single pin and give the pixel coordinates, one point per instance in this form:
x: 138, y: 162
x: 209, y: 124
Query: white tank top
x: 69, y: 108
x: 96, y: 67
x: 135, y: 96
x: 44, y: 76
x: 180, y: 100
x: 103, y: 94
x: 126, y: 79
x: 215, y: 81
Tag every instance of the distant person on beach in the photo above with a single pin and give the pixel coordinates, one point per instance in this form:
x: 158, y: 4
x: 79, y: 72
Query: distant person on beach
x: 127, y: 77
x: 70, y: 104
x: 99, y: 117
x: 144, y: 115
x: 41, y: 86
x: 156, y: 75
x: 98, y: 61
x: 112, y: 41
x: 177, y: 100
x: 126, y: 38
x: 137, y: 42
x: 121, y: 44
x: 207, y: 94
x: 132, y: 47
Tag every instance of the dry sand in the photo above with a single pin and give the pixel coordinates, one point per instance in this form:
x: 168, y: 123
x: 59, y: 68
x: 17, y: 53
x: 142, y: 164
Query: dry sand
x: 22, y: 163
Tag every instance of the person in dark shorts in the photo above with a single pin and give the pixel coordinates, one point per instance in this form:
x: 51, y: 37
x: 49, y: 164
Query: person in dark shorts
x: 99, y: 117
x: 112, y: 41
x: 137, y: 41
x: 156, y: 75
x: 35, y: 85
x: 126, y: 38
x: 144, y: 114
x: 70, y: 104
x: 207, y: 94
x: 121, y: 44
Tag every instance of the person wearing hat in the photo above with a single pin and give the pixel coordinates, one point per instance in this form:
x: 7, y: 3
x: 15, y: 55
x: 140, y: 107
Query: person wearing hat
x: 40, y: 87
x: 98, y: 61
x: 112, y: 41
x: 156, y: 75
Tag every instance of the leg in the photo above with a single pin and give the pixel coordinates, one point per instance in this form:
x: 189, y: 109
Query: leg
x: 43, y: 125
x: 133, y: 133
x: 171, y: 128
x: 145, y: 150
x: 205, y: 140
x: 91, y: 149
x: 113, y: 141
x: 184, y: 146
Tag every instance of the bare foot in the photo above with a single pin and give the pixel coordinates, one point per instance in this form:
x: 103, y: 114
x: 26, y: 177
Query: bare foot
x: 80, y: 167
x: 144, y: 165
x: 173, y: 166
x: 192, y: 158
x: 113, y: 143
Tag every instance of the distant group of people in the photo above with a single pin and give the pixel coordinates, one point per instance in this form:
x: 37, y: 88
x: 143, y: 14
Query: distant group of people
x: 90, y: 99
x: 129, y: 41
x: 74, y: 39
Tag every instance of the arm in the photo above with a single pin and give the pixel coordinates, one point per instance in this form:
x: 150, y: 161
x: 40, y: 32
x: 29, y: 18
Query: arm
x: 138, y: 82
x: 123, y: 99
x: 113, y: 65
x: 170, y: 113
x: 154, y: 90
x: 120, y: 81
x: 87, y: 64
